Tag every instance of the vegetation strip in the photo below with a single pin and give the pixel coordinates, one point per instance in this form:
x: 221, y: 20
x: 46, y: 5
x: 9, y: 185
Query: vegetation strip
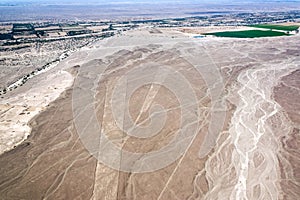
x: 248, y: 34
x: 276, y: 27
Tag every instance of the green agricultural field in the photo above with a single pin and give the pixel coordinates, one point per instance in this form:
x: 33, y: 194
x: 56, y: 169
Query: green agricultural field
x: 276, y: 27
x: 247, y: 34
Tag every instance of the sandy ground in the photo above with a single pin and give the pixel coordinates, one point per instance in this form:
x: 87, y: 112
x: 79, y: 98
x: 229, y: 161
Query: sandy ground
x: 246, y: 144
x: 212, y: 29
x: 16, y: 111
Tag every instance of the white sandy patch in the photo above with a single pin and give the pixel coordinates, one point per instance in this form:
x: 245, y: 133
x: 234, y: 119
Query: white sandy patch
x: 17, y: 111
x: 212, y: 29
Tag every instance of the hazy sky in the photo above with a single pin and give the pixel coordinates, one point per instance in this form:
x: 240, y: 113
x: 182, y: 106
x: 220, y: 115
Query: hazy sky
x: 130, y: 2
x: 142, y: 1
x: 14, y: 10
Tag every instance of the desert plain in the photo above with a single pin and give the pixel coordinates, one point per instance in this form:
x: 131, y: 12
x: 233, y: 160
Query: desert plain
x: 157, y: 114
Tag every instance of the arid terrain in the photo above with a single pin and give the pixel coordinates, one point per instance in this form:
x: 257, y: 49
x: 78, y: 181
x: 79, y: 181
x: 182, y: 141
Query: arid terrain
x: 157, y: 114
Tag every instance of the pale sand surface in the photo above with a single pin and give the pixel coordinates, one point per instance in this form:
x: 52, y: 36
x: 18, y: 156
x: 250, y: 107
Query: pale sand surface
x: 212, y: 29
x: 256, y: 155
x: 287, y: 94
x: 16, y: 111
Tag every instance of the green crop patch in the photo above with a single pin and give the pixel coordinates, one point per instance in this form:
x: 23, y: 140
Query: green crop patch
x: 248, y: 34
x: 276, y: 27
